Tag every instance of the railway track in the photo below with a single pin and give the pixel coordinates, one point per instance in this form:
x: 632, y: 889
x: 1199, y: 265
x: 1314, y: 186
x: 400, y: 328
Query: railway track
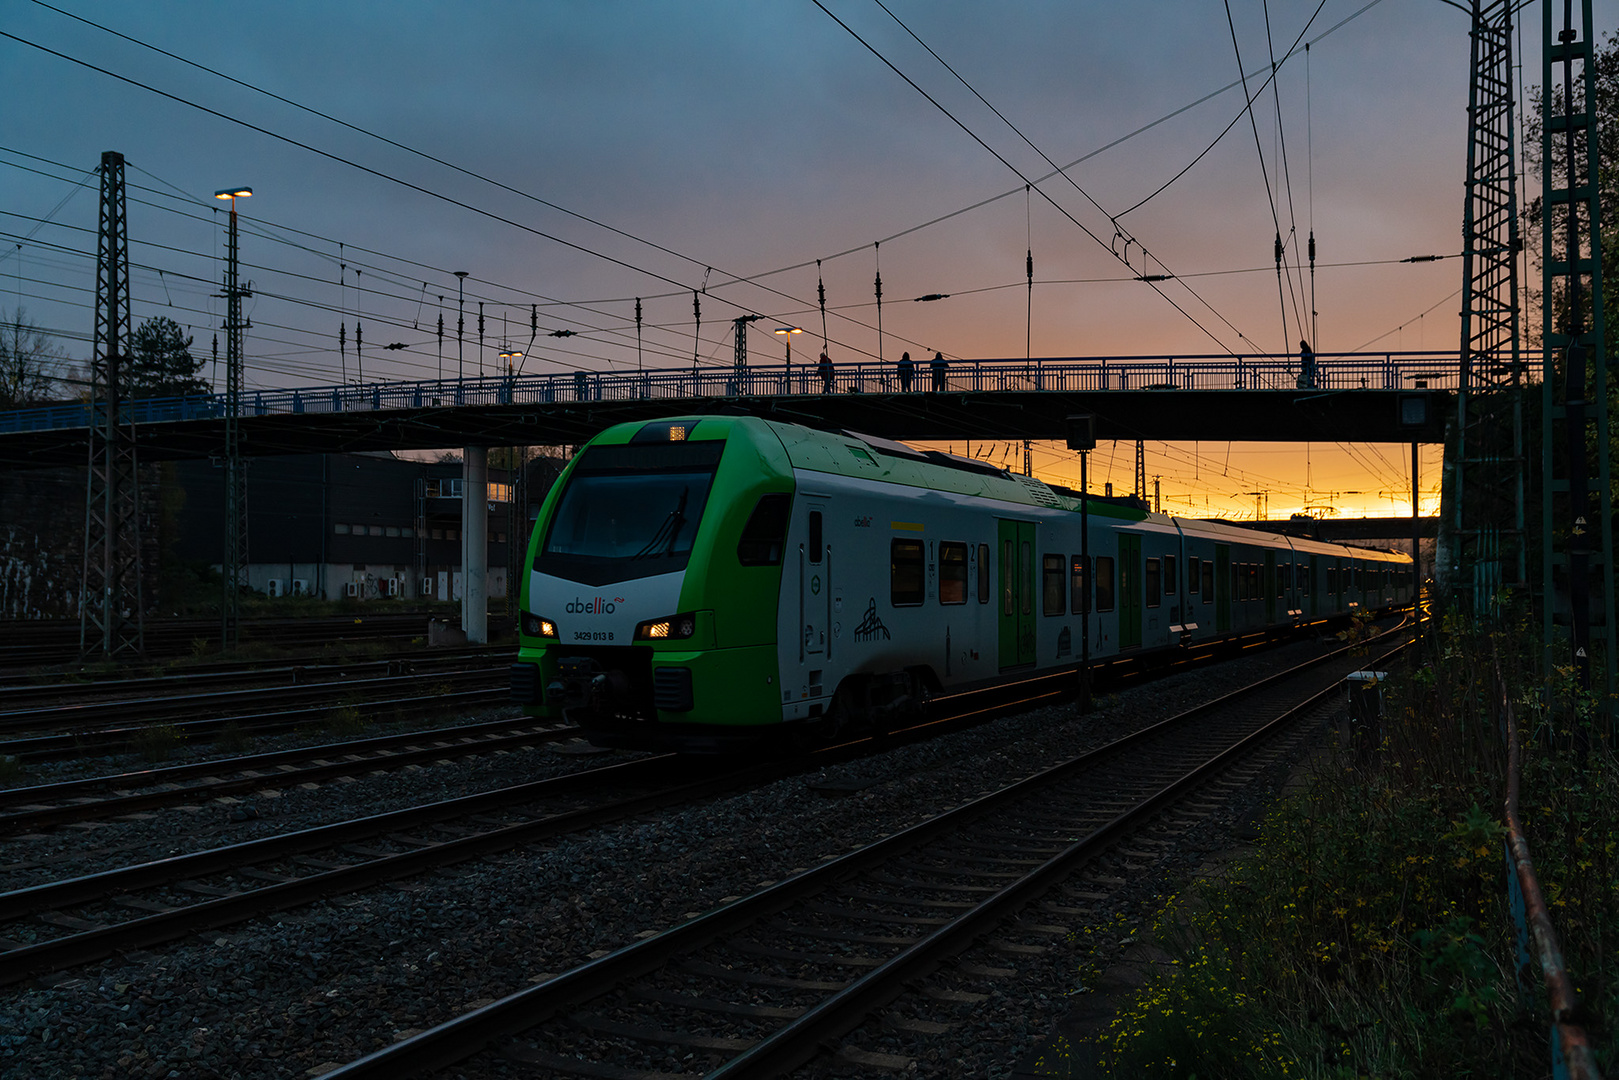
x: 45, y: 806
x: 31, y: 644
x: 61, y: 924
x: 87, y: 918
x: 34, y: 692
x: 760, y: 985
x: 99, y: 727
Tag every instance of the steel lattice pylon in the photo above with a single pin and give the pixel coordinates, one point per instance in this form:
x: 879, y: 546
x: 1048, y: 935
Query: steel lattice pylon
x: 1489, y: 556
x: 111, y: 619
x: 233, y: 565
x: 1577, y: 507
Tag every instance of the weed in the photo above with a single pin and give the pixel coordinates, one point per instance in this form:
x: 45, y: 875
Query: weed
x: 232, y: 739
x: 11, y: 770
x: 345, y: 722
x: 1367, y: 933
x: 157, y: 741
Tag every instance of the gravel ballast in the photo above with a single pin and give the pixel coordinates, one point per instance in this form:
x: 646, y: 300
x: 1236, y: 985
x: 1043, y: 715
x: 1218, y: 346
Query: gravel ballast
x: 324, y: 984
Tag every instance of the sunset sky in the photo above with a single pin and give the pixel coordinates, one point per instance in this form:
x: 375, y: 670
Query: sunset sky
x: 710, y: 142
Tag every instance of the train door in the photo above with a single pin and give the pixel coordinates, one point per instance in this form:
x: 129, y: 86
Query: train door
x: 1222, y: 587
x: 1312, y: 588
x: 1017, y: 593
x: 1269, y: 586
x: 1129, y: 591
x: 814, y: 580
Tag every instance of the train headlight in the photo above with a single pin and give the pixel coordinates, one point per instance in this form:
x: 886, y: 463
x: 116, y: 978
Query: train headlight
x: 672, y: 628
x: 535, y: 626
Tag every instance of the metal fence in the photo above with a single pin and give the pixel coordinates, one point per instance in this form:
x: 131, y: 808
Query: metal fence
x: 1572, y: 1057
x: 1340, y: 372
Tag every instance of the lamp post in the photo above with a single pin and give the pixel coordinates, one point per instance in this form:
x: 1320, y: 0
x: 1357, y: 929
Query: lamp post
x: 510, y: 358
x: 460, y: 322
x: 234, y: 559
x: 786, y: 334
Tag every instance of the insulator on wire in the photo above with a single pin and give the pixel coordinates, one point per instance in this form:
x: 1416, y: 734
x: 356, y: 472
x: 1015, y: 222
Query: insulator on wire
x: 1278, y: 247
x: 1028, y: 265
x: 1312, y: 245
x: 533, y: 320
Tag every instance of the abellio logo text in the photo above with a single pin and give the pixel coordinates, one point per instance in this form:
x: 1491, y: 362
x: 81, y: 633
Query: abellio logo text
x: 598, y: 605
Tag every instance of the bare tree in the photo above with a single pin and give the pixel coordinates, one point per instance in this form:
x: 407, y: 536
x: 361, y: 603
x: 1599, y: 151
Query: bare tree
x: 27, y: 358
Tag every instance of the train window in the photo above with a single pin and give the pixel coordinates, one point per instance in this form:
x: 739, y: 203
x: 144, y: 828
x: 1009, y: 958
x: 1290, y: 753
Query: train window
x: 1026, y: 578
x: 763, y: 535
x: 1152, y: 583
x: 1305, y: 580
x: 1008, y: 569
x: 983, y: 573
x: 1169, y: 575
x: 816, y: 537
x: 907, y: 578
x: 1254, y: 589
x: 1193, y: 577
x: 1281, y: 580
x: 1208, y: 581
x: 952, y: 572
x: 1104, y: 583
x: 1080, y: 601
x: 1052, y: 580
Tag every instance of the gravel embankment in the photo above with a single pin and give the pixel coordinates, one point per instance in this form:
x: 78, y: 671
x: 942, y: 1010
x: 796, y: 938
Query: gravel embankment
x: 326, y: 983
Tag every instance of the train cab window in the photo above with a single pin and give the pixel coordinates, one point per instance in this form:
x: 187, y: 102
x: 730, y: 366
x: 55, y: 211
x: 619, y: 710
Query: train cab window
x: 763, y: 535
x: 1052, y: 581
x: 1104, y: 583
x: 1169, y: 575
x: 1208, y: 581
x: 983, y: 573
x: 952, y: 572
x: 816, y: 537
x: 1080, y: 601
x: 1193, y: 577
x: 1152, y: 583
x: 907, y: 572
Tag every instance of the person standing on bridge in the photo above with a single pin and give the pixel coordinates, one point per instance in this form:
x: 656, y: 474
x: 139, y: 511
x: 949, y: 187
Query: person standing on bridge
x: 1306, y: 366
x: 936, y: 365
x: 824, y: 368
x: 905, y: 369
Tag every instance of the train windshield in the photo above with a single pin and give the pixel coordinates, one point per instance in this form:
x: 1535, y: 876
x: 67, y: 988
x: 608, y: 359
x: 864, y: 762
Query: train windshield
x: 630, y: 511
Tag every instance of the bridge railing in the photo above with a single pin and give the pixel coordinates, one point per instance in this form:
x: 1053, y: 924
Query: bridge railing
x: 1333, y: 372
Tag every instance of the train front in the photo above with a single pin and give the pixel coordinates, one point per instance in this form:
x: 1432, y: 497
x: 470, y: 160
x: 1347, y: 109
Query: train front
x: 649, y: 610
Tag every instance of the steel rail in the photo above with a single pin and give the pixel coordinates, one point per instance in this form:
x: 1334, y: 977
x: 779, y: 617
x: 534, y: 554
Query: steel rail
x: 77, y: 716
x: 80, y: 948
x: 14, y: 694
x: 456, y: 1039
x: 467, y: 741
x: 70, y: 744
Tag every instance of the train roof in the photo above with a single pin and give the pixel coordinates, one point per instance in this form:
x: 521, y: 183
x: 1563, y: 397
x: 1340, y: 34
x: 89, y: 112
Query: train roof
x: 871, y: 457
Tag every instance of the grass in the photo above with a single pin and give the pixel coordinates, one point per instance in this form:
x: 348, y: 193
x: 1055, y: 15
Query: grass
x: 1368, y: 934
x: 232, y: 739
x: 345, y: 722
x: 156, y: 742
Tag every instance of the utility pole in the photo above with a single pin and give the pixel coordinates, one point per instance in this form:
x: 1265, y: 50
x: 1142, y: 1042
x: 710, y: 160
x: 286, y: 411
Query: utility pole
x: 111, y: 616
x: 234, y: 562
x: 1141, y: 470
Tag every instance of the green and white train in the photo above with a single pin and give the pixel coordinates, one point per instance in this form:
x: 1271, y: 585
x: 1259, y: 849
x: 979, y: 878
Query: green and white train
x: 703, y: 581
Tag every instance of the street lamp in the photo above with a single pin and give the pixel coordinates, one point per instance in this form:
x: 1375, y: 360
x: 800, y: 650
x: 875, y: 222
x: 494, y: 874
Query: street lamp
x: 510, y: 358
x: 234, y: 560
x: 460, y: 322
x: 786, y: 334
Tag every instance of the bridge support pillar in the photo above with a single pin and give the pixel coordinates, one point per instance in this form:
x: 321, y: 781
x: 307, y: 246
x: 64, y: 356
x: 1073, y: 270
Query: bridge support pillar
x: 475, y: 544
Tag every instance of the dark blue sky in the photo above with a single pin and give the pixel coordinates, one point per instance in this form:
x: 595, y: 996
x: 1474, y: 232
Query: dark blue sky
x: 746, y: 137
